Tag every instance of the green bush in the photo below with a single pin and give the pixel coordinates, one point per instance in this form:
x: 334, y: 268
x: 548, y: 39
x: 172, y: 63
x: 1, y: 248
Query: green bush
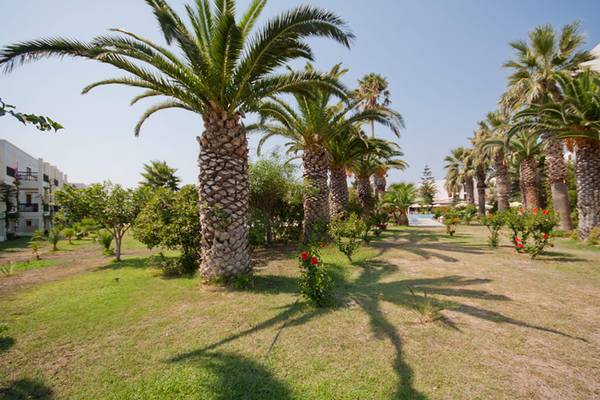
x: 468, y: 213
x: 175, y: 266
x: 451, y: 221
x: 315, y: 284
x: 54, y: 236
x: 105, y: 238
x: 347, y: 234
x: 379, y: 221
x: 594, y: 237
x: 494, y: 223
x: 68, y: 233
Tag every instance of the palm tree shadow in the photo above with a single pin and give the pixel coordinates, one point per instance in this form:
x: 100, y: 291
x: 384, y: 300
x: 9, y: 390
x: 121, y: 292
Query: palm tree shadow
x: 6, y: 342
x: 25, y: 389
x: 238, y: 377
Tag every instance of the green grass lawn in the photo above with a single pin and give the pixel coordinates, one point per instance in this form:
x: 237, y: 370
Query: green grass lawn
x: 34, y: 264
x: 511, y: 328
x: 17, y: 244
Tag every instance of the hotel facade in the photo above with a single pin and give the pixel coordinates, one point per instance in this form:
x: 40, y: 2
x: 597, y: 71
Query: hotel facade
x: 26, y: 199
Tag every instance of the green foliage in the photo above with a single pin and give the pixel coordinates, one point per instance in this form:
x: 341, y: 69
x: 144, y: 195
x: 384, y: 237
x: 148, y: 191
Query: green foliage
x: 468, y: 213
x: 451, y: 219
x: 347, y: 234
x: 112, y: 207
x: 398, y: 199
x: 68, y: 233
x: 54, y: 236
x: 40, y: 122
x: 594, y: 237
x: 174, y: 266
x: 105, y: 238
x: 171, y: 220
x: 439, y: 211
x: 494, y: 223
x: 315, y: 285
x: 427, y: 190
x: 428, y: 309
x: 157, y: 174
x: 7, y: 269
x: 276, y: 201
x: 378, y: 220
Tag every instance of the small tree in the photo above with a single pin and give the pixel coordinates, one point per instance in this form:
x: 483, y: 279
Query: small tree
x: 427, y: 190
x: 451, y: 221
x: 494, y: 223
x: 170, y: 220
x: 157, y: 174
x: 69, y: 233
x: 398, y: 199
x: 111, y: 206
x: 54, y: 236
x: 348, y: 234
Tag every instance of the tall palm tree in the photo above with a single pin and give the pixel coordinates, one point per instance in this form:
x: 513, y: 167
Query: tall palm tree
x: 223, y: 67
x: 494, y: 127
x: 533, y: 80
x: 525, y: 149
x: 315, y: 122
x: 460, y: 172
x: 158, y: 174
x: 481, y: 162
x: 576, y: 119
x: 399, y: 198
x: 373, y: 91
x: 385, y: 156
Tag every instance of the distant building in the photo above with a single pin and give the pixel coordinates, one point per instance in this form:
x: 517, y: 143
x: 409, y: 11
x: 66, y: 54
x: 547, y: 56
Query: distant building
x: 30, y: 182
x: 594, y: 64
x: 443, y: 198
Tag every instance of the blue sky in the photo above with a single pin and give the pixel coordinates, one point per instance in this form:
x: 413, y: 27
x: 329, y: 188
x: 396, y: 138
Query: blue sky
x: 443, y: 60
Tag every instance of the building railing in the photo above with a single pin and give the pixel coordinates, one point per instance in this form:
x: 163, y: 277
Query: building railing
x: 29, y: 207
x: 27, y: 176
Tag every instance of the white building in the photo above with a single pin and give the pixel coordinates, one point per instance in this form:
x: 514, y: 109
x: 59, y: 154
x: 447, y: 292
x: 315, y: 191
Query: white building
x: 443, y: 198
x: 33, y: 180
x: 594, y: 64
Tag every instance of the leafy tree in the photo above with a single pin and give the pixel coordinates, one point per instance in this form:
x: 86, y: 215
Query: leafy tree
x: 68, y: 233
x: 533, y: 81
x: 348, y: 233
x: 427, y: 190
x: 222, y: 69
x: 8, y: 196
x: 113, y: 207
x: 54, y: 236
x: 170, y: 220
x: 40, y: 122
x: 398, y: 199
x: 158, y: 174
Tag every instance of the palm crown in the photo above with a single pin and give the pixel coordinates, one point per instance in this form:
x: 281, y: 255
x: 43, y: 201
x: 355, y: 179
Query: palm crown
x: 223, y: 65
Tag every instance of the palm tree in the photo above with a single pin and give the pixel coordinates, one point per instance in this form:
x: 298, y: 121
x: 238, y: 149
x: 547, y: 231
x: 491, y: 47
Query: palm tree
x: 481, y: 162
x: 373, y: 91
x: 460, y: 172
x: 316, y: 122
x: 525, y: 149
x: 494, y: 127
x: 385, y: 156
x: 222, y: 69
x: 576, y: 119
x: 157, y: 174
x: 533, y: 81
x: 399, y: 198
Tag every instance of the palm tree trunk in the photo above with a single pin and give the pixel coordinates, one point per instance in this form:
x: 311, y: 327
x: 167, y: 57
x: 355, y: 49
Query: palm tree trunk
x: 365, y: 193
x: 556, y: 172
x: 316, y: 201
x: 224, y: 198
x: 481, y: 186
x: 338, y: 191
x: 587, y: 174
x: 380, y: 184
x: 470, y: 190
x: 530, y: 182
x: 502, y: 182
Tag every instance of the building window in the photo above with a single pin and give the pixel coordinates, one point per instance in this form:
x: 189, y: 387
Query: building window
x: 10, y: 171
x: 28, y: 171
x: 28, y: 199
x: 28, y: 223
x: 56, y: 182
x: 46, y: 178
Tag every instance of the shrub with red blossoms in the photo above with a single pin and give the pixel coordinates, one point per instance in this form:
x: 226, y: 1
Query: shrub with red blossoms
x: 315, y: 284
x: 531, y: 229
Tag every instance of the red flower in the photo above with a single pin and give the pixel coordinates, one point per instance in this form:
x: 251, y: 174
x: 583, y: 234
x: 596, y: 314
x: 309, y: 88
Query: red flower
x: 546, y: 212
x: 535, y: 210
x: 304, y: 256
x: 314, y: 261
x: 546, y: 236
x: 517, y: 240
x: 520, y: 245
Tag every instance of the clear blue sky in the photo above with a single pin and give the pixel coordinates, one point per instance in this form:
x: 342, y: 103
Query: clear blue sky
x: 442, y: 58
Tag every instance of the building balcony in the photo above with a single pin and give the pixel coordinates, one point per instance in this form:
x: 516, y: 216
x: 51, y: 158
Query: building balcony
x: 29, y: 207
x: 26, y: 176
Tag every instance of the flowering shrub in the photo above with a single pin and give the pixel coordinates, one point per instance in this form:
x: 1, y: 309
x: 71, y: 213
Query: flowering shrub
x: 315, y: 284
x: 531, y: 229
x: 347, y: 234
x: 379, y: 221
x: 451, y: 220
x: 494, y: 223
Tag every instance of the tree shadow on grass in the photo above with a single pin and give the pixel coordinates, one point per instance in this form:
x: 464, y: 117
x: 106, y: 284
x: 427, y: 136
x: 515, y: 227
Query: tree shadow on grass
x: 369, y: 291
x: 426, y: 244
x: 6, y: 342
x: 232, y: 376
x: 26, y: 389
x: 556, y: 256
